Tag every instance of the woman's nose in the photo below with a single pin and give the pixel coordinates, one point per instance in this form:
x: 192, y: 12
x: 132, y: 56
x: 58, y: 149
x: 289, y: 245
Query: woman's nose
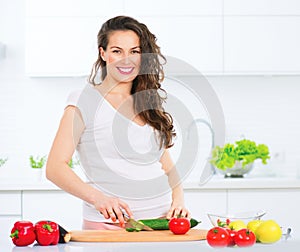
x: 126, y: 59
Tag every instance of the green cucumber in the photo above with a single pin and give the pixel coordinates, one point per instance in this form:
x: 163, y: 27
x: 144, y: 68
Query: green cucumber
x: 132, y: 230
x: 163, y: 224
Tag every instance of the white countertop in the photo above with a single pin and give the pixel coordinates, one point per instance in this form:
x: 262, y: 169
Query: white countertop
x: 251, y: 182
x: 216, y: 183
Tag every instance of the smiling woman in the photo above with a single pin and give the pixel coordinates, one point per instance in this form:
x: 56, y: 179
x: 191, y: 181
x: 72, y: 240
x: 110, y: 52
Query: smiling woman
x: 123, y: 62
x: 122, y: 133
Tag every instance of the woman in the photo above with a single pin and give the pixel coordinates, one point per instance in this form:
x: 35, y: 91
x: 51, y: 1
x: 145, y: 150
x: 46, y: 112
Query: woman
x: 121, y: 132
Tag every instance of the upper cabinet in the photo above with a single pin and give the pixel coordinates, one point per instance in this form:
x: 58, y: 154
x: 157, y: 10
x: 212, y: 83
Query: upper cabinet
x: 173, y: 8
x: 63, y: 41
x: 261, y: 37
x: 73, y: 8
x: 261, y: 7
x: 61, y: 36
x: 218, y: 37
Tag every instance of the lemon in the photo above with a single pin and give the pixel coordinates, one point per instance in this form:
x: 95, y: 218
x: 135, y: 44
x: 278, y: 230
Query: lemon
x: 253, y: 225
x: 237, y: 225
x: 268, y: 232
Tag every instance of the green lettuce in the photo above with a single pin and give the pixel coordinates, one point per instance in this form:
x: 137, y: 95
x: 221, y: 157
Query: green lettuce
x: 245, y: 151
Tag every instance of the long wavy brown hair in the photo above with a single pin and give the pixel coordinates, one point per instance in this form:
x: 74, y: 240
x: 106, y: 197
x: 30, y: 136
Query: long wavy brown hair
x: 146, y: 86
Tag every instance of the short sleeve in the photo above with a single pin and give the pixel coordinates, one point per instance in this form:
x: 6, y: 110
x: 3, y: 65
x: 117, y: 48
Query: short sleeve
x: 73, y: 100
x: 87, y: 100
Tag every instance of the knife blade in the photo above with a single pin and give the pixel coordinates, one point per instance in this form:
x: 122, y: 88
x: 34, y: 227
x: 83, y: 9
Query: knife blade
x: 136, y: 224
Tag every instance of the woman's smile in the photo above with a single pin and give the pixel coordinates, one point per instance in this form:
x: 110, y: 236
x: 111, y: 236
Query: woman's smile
x: 125, y: 70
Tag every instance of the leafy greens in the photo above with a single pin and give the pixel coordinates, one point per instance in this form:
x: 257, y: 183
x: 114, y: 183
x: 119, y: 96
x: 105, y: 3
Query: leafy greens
x: 245, y: 151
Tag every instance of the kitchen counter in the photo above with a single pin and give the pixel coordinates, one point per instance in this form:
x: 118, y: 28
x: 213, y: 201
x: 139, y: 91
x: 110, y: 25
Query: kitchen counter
x: 289, y: 245
x: 250, y: 182
x: 218, y: 192
x: 217, y: 182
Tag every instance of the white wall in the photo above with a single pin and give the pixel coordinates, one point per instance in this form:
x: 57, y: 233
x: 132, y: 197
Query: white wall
x: 264, y: 108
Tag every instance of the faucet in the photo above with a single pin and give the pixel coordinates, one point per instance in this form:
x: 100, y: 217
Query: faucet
x: 209, y: 169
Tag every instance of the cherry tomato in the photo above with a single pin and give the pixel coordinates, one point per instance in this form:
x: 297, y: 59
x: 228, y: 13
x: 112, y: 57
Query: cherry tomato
x: 244, y: 238
x: 232, y: 234
x: 218, y: 237
x: 179, y: 225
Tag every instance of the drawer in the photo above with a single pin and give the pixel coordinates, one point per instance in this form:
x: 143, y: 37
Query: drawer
x: 10, y: 203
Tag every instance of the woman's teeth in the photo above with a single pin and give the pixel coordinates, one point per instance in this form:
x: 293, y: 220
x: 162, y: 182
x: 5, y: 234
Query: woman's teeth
x: 125, y: 70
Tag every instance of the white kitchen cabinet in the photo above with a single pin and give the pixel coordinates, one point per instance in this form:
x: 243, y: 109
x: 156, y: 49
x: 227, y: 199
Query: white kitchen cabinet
x: 215, y: 36
x: 281, y: 205
x: 63, y: 41
x: 10, y: 212
x: 58, y: 206
x: 10, y: 203
x: 261, y: 45
x: 202, y: 202
x: 174, y: 8
x: 72, y: 8
x: 261, y: 7
x: 67, y: 46
x: 61, y: 46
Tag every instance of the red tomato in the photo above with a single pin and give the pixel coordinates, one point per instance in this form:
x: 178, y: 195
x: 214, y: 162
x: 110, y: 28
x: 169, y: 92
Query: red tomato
x: 244, y: 238
x: 232, y: 234
x: 179, y: 225
x: 218, y: 237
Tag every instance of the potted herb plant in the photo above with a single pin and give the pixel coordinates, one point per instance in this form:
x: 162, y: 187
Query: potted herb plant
x: 3, y: 161
x: 37, y: 163
x: 235, y: 160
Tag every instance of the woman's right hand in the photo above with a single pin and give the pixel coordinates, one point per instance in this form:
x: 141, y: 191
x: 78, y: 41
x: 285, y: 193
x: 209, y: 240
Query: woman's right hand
x: 113, y: 208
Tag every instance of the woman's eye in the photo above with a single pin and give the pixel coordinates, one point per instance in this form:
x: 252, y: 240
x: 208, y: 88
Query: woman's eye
x: 136, y: 52
x: 116, y: 51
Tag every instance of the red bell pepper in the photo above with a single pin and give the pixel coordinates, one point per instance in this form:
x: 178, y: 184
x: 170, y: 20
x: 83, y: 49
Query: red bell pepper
x: 22, y: 233
x: 47, y: 233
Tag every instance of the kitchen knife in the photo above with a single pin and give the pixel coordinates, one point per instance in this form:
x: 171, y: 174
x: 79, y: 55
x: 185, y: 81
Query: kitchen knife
x: 136, y: 224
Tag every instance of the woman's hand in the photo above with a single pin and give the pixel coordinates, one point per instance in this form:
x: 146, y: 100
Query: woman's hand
x: 178, y: 210
x: 113, y: 208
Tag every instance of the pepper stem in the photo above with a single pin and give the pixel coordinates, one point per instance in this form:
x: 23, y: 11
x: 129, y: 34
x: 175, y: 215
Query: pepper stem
x: 48, y: 227
x: 15, y: 234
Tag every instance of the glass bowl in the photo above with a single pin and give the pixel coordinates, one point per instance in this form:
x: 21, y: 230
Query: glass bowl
x: 244, y: 216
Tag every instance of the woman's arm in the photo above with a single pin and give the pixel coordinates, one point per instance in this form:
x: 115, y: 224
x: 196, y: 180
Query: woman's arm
x: 178, y: 206
x: 58, y: 171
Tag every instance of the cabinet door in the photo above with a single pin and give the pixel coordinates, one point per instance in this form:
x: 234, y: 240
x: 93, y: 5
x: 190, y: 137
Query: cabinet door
x: 71, y: 8
x: 10, y: 212
x: 10, y: 203
x: 175, y: 8
x: 202, y: 202
x: 281, y: 205
x: 261, y: 45
x: 62, y: 41
x: 61, y: 46
x: 261, y: 7
x: 53, y: 205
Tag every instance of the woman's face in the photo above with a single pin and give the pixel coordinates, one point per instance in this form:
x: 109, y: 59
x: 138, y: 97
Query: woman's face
x: 122, y: 56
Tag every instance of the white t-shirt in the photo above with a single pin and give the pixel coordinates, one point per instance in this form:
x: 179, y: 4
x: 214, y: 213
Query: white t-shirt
x: 120, y: 158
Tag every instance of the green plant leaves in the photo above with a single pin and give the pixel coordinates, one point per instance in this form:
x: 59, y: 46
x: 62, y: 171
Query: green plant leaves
x: 245, y: 150
x: 37, y: 162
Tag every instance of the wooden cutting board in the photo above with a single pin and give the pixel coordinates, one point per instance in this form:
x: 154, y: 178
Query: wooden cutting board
x: 142, y: 236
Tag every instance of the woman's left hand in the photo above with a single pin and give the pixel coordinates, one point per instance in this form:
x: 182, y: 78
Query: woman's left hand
x: 178, y: 210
